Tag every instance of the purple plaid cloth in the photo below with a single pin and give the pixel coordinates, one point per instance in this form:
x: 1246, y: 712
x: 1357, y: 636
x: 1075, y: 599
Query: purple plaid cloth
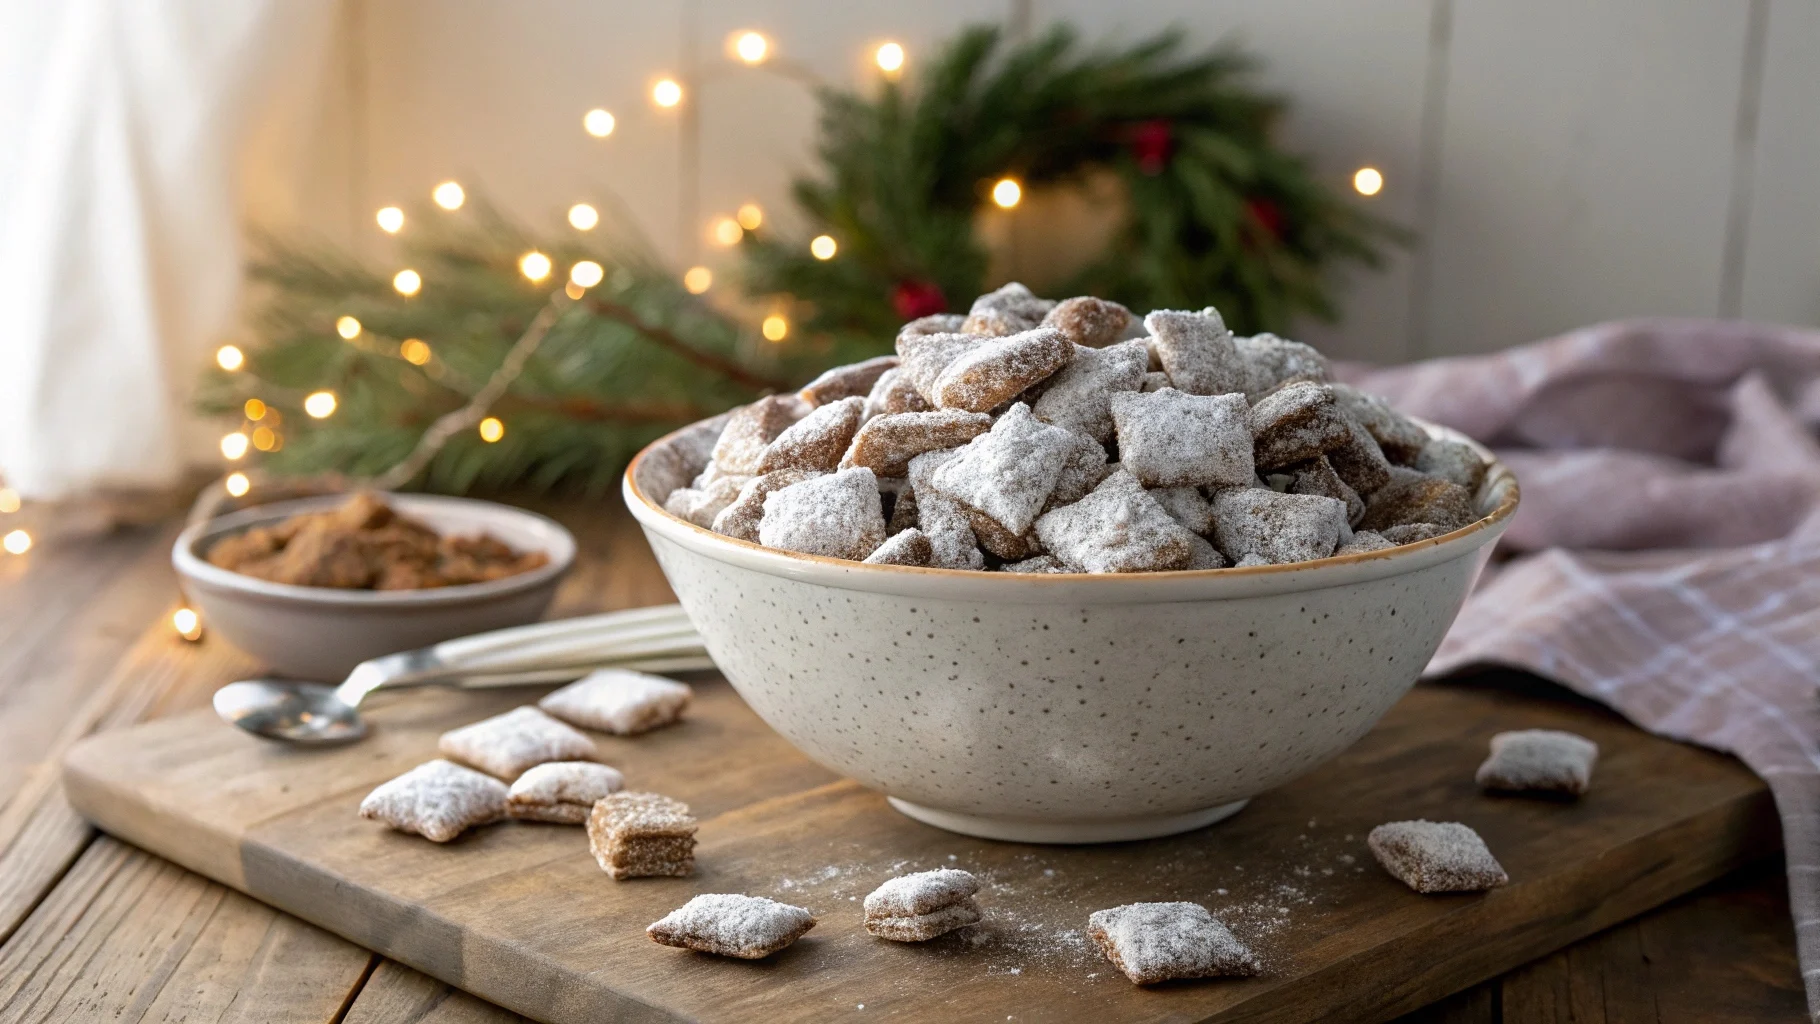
x: 1668, y: 543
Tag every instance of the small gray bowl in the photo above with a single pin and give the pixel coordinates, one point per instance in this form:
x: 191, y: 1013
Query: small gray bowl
x: 321, y: 633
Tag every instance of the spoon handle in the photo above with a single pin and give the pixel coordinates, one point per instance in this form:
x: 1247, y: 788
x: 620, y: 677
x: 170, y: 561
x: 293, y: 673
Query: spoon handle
x: 541, y: 652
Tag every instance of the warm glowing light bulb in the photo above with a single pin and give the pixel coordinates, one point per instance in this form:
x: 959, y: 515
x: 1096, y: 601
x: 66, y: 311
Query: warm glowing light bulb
x: 750, y: 216
x: 583, y: 217
x: 587, y: 274
x: 574, y: 291
x: 775, y: 327
x: 1368, y: 181
x: 751, y: 47
x: 666, y: 93
x: 491, y: 429
x: 407, y: 282
x: 230, y: 358
x: 414, y: 351
x: 449, y: 196
x: 254, y: 409
x: 320, y: 404
x: 348, y: 327
x: 1007, y: 193
x: 598, y: 122
x: 265, y: 439
x: 187, y: 623
x: 822, y: 247
x: 9, y: 501
x: 890, y: 58
x: 17, y: 542
x: 237, y: 484
x: 391, y: 219
x: 233, y: 446
x: 534, y: 265
x: 698, y: 280
x: 726, y: 231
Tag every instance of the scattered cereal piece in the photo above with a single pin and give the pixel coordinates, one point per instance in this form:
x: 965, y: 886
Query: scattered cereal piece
x: 1089, y: 321
x: 1154, y: 380
x: 619, y: 701
x: 950, y: 533
x: 894, y: 393
x: 1453, y: 461
x: 1409, y: 533
x: 922, y: 892
x: 1251, y: 522
x: 1010, y: 310
x: 1436, y: 856
x: 1365, y: 541
x: 1317, y: 476
x: 562, y: 791
x: 729, y: 924
x: 1117, y: 528
x: 752, y: 428
x: 741, y: 518
x: 1271, y: 361
x: 1041, y: 564
x: 1186, y: 506
x: 1196, y: 351
x: 907, y: 547
x: 1400, y: 438
x: 838, y: 515
x: 1173, y: 439
x: 818, y: 440
x: 1085, y: 469
x: 507, y: 744
x: 1359, y: 461
x: 702, y: 506
x: 1079, y: 397
x: 1413, y: 497
x: 1153, y: 942
x: 1297, y: 423
x: 886, y: 444
x: 994, y: 372
x: 924, y: 927
x: 855, y: 380
x: 1539, y: 761
x: 926, y: 356
x: 939, y: 323
x: 438, y: 800
x: 642, y: 835
x: 1008, y: 472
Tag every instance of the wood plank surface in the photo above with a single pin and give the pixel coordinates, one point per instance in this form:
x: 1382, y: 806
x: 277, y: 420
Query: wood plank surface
x: 520, y: 915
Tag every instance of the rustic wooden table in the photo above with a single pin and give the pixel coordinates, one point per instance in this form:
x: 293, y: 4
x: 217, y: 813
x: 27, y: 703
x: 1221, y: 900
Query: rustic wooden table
x: 93, y: 929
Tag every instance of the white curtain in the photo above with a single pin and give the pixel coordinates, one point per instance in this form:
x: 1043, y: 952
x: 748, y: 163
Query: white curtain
x: 126, y: 127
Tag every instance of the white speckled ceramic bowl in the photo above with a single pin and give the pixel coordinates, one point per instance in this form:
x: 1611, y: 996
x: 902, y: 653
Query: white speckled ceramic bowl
x: 1062, y: 708
x: 321, y: 633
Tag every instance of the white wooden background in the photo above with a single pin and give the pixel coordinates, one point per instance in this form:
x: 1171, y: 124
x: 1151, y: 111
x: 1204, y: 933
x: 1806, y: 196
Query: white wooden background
x: 1563, y: 161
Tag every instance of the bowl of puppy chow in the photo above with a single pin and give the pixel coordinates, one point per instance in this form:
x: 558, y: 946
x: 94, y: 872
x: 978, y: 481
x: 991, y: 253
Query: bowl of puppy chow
x: 1057, y: 572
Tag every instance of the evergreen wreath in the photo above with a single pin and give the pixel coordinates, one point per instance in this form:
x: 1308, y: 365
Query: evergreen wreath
x: 483, y: 378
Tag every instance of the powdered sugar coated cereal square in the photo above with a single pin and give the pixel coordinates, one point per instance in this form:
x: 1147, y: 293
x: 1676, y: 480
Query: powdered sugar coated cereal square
x: 1117, y: 528
x: 1196, y: 351
x: 1539, y: 761
x: 1296, y: 423
x: 1155, y: 942
x: 817, y: 441
x: 839, y: 515
x: 732, y: 924
x: 507, y: 744
x: 619, y: 701
x: 1089, y: 321
x: 1252, y: 522
x: 437, y: 800
x: 1079, y: 397
x: 994, y: 372
x: 562, y: 791
x: 1172, y: 439
x: 1009, y: 472
x: 1436, y: 856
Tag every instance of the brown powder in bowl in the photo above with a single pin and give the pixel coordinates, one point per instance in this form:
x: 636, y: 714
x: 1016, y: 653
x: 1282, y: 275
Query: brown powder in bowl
x: 366, y: 545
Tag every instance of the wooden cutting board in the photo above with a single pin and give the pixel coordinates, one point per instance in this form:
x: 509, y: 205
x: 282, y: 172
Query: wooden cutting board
x: 519, y: 914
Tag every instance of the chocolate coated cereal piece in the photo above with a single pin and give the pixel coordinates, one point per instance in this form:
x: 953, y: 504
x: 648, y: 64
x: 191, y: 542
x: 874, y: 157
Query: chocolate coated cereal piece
x: 1413, y: 497
x: 1317, y: 476
x: 1009, y: 472
x: 941, y: 517
x: 1079, y: 397
x: 818, y: 440
x: 1365, y: 541
x: 1041, y: 564
x: 906, y: 547
x: 1359, y: 461
x: 1172, y: 439
x: 998, y: 541
x: 507, y: 744
x: 1117, y: 528
x: 729, y: 924
x: 994, y: 372
x: 1186, y: 506
x: 926, y: 356
x: 939, y: 323
x: 1205, y: 555
x: 1085, y: 469
x: 1539, y: 761
x: 1009, y: 310
x: 1271, y: 361
x: 839, y: 515
x: 752, y: 428
x: 438, y: 800
x: 855, y: 380
x: 1254, y: 523
x: 702, y: 506
x: 1153, y: 942
x: 1400, y: 438
x: 642, y: 835
x: 619, y: 701
x: 1436, y: 856
x: 1409, y: 533
x: 886, y: 444
x: 1196, y: 351
x: 1297, y: 423
x: 894, y: 393
x: 1089, y: 321
x: 741, y: 518
x: 1453, y: 461
x: 562, y: 792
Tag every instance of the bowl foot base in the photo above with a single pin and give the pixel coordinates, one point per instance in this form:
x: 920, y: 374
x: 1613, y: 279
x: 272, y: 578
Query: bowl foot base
x: 1025, y: 830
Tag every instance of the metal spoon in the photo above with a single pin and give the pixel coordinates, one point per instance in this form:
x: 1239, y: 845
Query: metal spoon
x: 657, y: 639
